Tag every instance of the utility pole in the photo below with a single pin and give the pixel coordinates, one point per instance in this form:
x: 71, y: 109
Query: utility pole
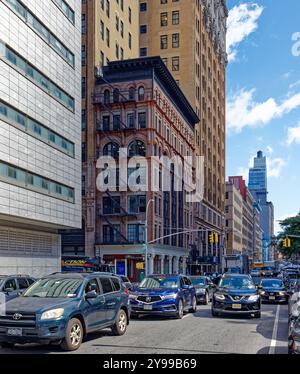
x: 146, y: 237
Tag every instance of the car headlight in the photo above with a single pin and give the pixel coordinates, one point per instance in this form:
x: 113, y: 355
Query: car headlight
x: 282, y: 293
x: 132, y: 296
x: 170, y: 296
x: 52, y: 314
x: 262, y: 292
x: 253, y: 298
x: 200, y: 291
x: 219, y: 297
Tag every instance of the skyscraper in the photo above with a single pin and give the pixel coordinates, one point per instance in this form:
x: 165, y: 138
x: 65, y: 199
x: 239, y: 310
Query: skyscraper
x: 190, y: 36
x: 259, y: 190
x: 40, y: 151
x: 109, y: 33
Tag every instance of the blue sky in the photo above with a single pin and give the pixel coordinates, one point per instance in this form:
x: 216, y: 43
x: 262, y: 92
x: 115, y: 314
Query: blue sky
x: 263, y: 95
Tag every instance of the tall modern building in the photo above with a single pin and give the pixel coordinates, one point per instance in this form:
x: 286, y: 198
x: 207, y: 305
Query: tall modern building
x: 259, y: 190
x: 109, y: 33
x: 190, y: 36
x: 40, y: 147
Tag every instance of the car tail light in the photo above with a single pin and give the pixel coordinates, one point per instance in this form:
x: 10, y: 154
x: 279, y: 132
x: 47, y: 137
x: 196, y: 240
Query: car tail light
x: 126, y: 292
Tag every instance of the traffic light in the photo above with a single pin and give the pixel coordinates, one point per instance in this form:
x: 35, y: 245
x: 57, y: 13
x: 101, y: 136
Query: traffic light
x: 287, y: 243
x: 216, y: 238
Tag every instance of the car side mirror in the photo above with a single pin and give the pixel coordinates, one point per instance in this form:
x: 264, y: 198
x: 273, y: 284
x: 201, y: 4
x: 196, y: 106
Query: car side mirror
x: 91, y: 295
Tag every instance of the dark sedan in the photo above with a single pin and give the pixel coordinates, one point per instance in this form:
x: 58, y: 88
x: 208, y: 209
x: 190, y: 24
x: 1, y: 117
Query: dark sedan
x: 168, y: 295
x: 204, y: 288
x: 273, y: 290
x: 236, y: 294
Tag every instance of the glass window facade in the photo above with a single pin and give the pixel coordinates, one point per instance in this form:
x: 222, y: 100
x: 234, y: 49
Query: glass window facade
x: 34, y: 23
x: 29, y: 71
x: 25, y: 179
x: 35, y: 129
x: 66, y: 9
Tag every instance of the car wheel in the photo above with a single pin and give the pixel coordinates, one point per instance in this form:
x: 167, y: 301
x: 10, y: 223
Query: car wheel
x: 213, y: 313
x: 120, y: 326
x: 194, y: 305
x: 180, y: 310
x: 74, y: 335
x: 257, y: 315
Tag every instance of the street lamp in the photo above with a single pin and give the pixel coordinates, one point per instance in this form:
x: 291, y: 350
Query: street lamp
x: 146, y: 237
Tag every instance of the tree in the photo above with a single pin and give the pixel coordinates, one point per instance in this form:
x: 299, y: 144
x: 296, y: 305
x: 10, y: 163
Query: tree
x: 290, y: 227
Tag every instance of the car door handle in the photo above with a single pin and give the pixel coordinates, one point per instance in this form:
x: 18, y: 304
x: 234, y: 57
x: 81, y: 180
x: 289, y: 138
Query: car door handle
x: 111, y: 304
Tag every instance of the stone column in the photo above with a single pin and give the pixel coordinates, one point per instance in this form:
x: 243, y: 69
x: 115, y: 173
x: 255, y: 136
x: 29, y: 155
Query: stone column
x: 162, y: 257
x: 170, y: 265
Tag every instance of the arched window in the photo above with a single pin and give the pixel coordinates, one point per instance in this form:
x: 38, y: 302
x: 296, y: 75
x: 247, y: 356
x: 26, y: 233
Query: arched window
x: 116, y: 95
x: 131, y: 93
x: 137, y: 148
x: 141, y: 93
x: 106, y: 97
x: 111, y: 149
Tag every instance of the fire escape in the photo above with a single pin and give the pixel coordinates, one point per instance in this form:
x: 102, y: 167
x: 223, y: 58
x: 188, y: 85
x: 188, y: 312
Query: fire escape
x: 106, y: 105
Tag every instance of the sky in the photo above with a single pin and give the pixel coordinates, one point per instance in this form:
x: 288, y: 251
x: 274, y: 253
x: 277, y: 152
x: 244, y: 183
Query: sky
x: 263, y: 96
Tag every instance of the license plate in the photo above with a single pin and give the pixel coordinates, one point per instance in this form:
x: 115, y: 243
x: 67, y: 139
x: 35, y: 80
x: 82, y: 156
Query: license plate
x: 147, y: 307
x: 272, y: 298
x: 236, y: 306
x: 14, y: 332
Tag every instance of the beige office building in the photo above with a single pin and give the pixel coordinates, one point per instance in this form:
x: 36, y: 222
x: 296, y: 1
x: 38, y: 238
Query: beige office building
x: 109, y: 33
x: 190, y: 36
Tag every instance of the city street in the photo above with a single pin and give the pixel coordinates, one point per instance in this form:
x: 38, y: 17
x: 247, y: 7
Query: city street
x: 197, y: 333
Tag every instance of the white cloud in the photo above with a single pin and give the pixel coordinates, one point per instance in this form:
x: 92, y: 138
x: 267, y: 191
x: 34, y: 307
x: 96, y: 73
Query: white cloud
x: 243, y: 111
x: 293, y: 85
x: 293, y: 135
x: 242, y: 21
x: 270, y: 150
x: 275, y: 167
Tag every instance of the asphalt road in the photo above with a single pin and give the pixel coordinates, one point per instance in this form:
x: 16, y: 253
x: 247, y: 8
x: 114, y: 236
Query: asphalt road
x: 197, y: 333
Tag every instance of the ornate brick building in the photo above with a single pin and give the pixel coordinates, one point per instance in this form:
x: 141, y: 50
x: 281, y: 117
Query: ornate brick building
x: 140, y: 108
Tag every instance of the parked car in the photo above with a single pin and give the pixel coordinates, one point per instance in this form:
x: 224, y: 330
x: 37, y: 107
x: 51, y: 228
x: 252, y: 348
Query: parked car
x: 204, y: 288
x: 13, y: 285
x: 64, y: 308
x: 294, y: 330
x: 273, y: 290
x: 236, y: 294
x: 169, y: 295
x: 294, y: 298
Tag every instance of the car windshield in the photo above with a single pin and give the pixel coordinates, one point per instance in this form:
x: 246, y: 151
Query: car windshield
x: 54, y: 287
x: 237, y: 282
x: 271, y: 283
x: 159, y: 283
x: 198, y: 281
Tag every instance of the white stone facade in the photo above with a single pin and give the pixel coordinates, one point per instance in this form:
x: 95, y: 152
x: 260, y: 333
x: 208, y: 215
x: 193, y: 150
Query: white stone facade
x: 21, y: 206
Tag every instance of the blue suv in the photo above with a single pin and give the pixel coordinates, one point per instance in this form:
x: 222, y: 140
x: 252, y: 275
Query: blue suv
x: 64, y: 308
x: 169, y: 295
